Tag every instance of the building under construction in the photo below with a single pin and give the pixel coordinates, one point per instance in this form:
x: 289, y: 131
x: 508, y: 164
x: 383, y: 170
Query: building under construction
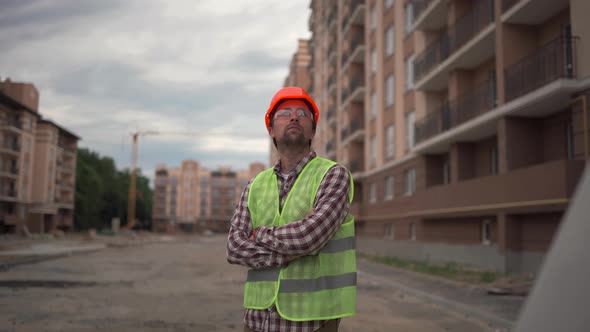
x: 464, y: 123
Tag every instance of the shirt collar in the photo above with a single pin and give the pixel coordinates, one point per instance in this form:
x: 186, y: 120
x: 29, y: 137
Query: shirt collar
x: 300, y: 165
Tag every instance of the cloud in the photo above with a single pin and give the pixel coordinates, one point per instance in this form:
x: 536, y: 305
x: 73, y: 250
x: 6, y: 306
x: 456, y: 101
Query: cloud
x: 107, y: 68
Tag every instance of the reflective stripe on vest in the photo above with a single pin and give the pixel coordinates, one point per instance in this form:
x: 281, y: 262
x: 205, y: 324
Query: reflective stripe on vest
x: 272, y: 274
x: 318, y: 284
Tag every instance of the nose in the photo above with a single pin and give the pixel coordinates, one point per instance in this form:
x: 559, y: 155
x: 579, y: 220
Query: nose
x: 294, y: 117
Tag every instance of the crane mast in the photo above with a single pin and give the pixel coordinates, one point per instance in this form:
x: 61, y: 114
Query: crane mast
x: 131, y: 206
x: 132, y: 185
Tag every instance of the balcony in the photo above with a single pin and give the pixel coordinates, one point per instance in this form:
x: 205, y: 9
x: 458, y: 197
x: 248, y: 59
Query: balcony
x: 11, y: 125
x: 531, y: 12
x: 356, y: 15
x: 465, y: 44
x: 430, y: 14
x: 65, y: 202
x: 355, y: 133
x: 64, y: 185
x: 67, y: 168
x: 356, y: 49
x: 528, y: 187
x: 8, y: 195
x: 9, y: 172
x: 454, y: 113
x: 10, y: 149
x: 69, y: 153
x: 355, y: 91
x: 554, y: 61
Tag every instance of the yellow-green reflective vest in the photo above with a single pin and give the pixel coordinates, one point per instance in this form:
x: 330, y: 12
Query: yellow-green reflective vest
x: 315, y: 287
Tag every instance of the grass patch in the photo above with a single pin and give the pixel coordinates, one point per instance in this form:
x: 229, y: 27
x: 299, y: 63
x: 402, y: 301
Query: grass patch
x: 449, y: 270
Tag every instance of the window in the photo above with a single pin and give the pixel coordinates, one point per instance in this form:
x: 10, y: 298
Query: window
x: 373, y: 193
x: 373, y: 18
x: 390, y: 231
x: 409, y: 17
x: 410, y: 132
x: 373, y: 61
x: 389, y: 41
x: 373, y: 151
x: 412, y: 232
x: 389, y: 90
x: 389, y: 187
x: 388, y: 4
x: 373, y: 106
x: 410, y: 182
x: 486, y: 227
x: 494, y: 161
x: 410, y: 73
x: 390, y: 143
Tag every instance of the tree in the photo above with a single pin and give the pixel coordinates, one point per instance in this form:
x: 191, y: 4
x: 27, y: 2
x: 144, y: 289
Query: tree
x: 101, y: 192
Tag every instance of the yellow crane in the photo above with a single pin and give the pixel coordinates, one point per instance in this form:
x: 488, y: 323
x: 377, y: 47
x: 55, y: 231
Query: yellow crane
x: 133, y: 169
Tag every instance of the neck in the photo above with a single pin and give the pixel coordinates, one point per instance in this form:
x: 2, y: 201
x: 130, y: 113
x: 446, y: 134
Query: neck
x: 290, y: 159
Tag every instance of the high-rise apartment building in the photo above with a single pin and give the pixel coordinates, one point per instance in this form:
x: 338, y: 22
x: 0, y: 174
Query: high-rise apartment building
x: 37, y: 164
x: 462, y: 122
x: 191, y: 197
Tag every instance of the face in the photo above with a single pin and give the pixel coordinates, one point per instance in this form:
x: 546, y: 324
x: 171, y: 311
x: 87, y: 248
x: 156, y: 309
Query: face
x: 292, y: 124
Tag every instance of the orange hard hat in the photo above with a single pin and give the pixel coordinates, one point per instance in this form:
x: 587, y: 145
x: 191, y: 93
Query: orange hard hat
x: 291, y: 92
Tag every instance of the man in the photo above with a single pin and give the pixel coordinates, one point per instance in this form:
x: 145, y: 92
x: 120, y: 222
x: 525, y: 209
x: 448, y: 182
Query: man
x: 293, y: 230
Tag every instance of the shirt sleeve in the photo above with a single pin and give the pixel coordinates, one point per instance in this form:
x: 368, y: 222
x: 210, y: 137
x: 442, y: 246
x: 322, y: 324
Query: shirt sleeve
x: 309, y: 235
x: 240, y: 249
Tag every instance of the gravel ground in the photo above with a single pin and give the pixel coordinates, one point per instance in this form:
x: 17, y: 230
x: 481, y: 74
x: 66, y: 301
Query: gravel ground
x: 185, y: 284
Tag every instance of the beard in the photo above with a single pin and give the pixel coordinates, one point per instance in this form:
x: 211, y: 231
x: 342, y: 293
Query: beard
x: 292, y: 140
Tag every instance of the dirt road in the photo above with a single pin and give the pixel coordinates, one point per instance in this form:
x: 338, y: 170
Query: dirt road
x: 180, y: 285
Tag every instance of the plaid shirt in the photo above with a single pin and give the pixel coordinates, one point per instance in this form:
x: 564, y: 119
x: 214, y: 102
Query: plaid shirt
x: 273, y: 245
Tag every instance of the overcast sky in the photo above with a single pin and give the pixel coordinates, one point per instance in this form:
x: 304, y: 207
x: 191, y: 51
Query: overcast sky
x: 110, y: 67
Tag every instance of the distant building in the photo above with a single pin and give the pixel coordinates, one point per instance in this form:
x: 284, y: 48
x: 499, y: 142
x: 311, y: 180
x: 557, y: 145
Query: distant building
x: 37, y: 165
x: 192, y: 198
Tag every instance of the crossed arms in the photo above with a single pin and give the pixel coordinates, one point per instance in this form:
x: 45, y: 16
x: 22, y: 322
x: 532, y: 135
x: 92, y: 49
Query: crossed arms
x: 276, y: 246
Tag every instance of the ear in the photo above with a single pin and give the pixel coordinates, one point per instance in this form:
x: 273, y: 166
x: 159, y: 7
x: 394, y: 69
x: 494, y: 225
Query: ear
x: 271, y: 132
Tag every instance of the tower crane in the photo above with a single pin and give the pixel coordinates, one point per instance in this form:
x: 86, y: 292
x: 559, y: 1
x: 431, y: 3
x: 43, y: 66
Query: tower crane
x: 133, y: 169
x: 132, y: 185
